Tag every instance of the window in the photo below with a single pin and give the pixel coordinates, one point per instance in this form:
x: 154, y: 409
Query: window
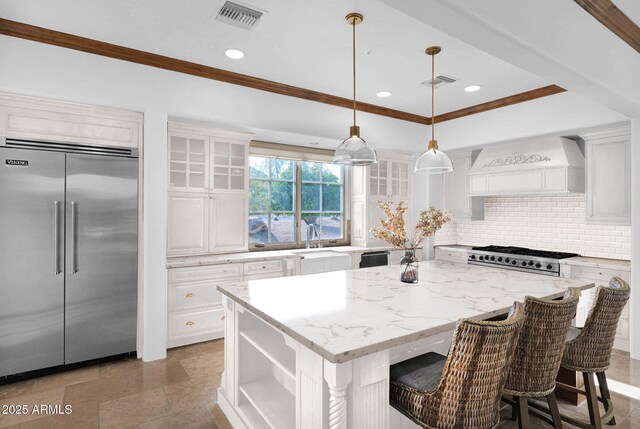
x: 272, y: 200
x: 322, y: 198
x: 285, y: 196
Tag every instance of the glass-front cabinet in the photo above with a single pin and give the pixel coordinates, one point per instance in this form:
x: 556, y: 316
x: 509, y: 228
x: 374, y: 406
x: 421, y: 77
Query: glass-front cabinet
x: 188, y: 155
x: 389, y: 178
x: 229, y: 165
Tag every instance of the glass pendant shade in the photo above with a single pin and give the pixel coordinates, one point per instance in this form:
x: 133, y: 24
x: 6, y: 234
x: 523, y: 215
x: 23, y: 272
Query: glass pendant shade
x: 433, y: 161
x: 354, y: 151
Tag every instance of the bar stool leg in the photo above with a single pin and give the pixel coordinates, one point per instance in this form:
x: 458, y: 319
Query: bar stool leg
x: 514, y: 409
x: 523, y: 412
x: 592, y: 400
x: 604, y: 391
x: 553, y: 409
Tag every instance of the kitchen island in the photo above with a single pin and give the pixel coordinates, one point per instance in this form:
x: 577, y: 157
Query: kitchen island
x: 314, y: 351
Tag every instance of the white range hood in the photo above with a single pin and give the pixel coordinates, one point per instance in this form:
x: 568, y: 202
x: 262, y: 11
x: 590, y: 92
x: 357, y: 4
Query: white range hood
x: 548, y: 165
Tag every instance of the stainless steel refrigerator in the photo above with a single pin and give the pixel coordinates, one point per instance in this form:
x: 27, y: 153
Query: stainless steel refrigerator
x: 68, y: 254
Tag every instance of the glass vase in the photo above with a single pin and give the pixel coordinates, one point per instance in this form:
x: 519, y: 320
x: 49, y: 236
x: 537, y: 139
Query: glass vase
x: 409, y: 267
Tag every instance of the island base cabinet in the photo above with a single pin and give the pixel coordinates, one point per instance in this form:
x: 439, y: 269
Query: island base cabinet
x: 270, y: 380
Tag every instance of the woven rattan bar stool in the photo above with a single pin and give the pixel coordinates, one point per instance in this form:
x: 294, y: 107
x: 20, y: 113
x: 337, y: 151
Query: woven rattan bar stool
x: 588, y: 350
x: 539, y: 353
x: 462, y: 390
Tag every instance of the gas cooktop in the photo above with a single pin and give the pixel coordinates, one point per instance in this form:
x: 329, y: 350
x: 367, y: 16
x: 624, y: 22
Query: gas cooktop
x: 519, y: 258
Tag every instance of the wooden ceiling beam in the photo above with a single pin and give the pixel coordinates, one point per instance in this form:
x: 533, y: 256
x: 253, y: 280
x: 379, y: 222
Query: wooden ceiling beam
x: 614, y: 19
x: 96, y: 47
x: 545, y: 91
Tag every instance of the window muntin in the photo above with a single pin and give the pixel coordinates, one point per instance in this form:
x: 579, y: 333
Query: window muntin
x: 286, y: 193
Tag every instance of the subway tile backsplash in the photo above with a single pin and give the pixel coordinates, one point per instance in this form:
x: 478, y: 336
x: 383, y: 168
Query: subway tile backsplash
x: 548, y: 222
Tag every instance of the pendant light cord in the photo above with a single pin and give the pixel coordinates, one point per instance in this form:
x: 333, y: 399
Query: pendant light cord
x: 353, y: 24
x: 433, y: 90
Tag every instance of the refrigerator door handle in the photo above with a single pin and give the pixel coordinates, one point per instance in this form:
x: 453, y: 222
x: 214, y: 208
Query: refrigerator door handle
x: 74, y: 237
x: 56, y: 237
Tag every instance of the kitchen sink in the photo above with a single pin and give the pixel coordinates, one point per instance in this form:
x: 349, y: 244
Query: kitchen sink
x: 322, y: 261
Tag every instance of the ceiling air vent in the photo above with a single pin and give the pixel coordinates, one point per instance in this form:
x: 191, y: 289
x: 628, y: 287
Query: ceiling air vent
x: 440, y: 80
x: 239, y: 15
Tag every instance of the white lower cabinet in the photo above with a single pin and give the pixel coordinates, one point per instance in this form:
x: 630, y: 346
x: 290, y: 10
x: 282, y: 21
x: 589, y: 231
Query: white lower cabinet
x: 451, y: 254
x: 600, y: 277
x: 195, y: 310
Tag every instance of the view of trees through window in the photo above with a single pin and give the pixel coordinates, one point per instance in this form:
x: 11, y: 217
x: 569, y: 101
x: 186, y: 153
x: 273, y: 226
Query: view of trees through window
x: 275, y: 194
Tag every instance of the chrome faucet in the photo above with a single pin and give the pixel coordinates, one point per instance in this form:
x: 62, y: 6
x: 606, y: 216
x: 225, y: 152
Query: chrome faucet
x: 311, y: 228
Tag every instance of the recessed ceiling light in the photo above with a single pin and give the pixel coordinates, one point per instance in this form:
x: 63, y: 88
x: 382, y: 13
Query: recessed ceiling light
x: 472, y: 88
x: 234, y: 54
x: 383, y: 94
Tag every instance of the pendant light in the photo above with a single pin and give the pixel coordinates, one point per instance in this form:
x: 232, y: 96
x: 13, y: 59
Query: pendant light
x: 433, y: 161
x: 354, y: 150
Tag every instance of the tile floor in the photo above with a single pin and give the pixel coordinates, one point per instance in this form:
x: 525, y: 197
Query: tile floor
x: 179, y: 392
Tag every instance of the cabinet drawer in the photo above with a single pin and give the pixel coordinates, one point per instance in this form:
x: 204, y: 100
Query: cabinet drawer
x: 192, y: 274
x: 193, y: 295
x: 264, y: 276
x: 185, y: 324
x: 451, y: 255
x: 251, y: 268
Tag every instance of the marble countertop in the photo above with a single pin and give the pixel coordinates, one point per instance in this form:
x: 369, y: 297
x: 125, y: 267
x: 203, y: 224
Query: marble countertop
x: 266, y: 255
x: 611, y: 264
x: 344, y: 315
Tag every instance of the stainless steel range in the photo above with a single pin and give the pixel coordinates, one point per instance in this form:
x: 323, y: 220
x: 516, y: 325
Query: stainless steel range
x: 519, y: 258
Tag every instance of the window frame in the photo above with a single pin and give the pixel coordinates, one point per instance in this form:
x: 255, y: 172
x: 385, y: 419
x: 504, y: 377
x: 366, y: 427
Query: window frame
x: 299, y: 155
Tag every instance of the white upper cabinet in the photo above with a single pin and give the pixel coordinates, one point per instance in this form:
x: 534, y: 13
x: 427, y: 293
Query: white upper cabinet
x: 229, y: 232
x: 608, y: 156
x: 456, y: 189
x: 208, y: 190
x: 32, y: 118
x: 188, y: 224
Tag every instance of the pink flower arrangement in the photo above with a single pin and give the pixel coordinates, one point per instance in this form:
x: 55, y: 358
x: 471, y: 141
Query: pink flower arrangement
x: 393, y: 229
